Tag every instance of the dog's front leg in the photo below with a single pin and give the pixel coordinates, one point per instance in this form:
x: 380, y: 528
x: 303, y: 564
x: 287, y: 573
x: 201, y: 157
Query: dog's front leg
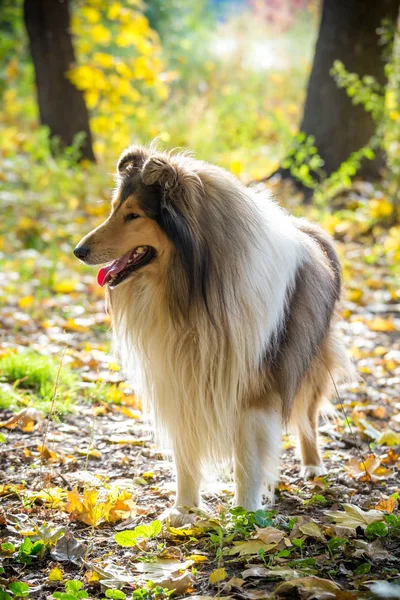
x: 188, y: 480
x: 256, y: 456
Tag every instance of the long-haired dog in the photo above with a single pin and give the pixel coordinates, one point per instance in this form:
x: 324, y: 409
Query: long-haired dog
x: 222, y: 308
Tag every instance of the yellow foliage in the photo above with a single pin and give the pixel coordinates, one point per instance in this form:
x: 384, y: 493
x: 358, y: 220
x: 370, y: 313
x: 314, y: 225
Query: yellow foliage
x: 218, y: 575
x: 100, y: 34
x: 55, y: 574
x: 91, y: 14
x: 65, y: 286
x: 380, y: 208
x: 25, y: 302
x: 92, y: 510
x: 113, y: 80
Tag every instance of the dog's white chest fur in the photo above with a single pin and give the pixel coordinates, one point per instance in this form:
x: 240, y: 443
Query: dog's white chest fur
x: 194, y: 377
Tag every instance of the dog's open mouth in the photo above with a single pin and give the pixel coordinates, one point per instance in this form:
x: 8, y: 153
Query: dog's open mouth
x: 116, y: 271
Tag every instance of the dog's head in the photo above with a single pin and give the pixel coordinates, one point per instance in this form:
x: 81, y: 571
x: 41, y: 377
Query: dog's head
x: 154, y: 217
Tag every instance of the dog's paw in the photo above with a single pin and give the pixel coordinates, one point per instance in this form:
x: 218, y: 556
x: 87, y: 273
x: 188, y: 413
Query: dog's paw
x: 178, y: 516
x: 311, y: 471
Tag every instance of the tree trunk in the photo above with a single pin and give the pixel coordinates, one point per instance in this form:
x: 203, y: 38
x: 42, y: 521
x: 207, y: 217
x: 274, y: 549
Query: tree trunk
x: 348, y: 32
x: 61, y: 105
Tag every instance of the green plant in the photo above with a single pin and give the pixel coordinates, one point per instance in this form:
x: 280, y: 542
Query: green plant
x: 19, y: 589
x: 130, y: 537
x: 243, y: 522
x: 115, y: 594
x: 393, y: 523
x: 29, y: 551
x: 383, y: 103
x: 151, y: 592
x: 73, y: 591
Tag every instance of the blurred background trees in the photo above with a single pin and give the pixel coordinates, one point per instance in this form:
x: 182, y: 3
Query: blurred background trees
x: 349, y: 32
x: 61, y: 105
x: 243, y: 83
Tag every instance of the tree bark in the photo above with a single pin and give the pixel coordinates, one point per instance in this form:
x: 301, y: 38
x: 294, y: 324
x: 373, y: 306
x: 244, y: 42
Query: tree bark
x: 61, y: 105
x: 348, y: 32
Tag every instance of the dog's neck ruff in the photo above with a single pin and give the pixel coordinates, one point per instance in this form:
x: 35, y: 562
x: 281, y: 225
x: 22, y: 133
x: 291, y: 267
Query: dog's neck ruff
x: 196, y: 376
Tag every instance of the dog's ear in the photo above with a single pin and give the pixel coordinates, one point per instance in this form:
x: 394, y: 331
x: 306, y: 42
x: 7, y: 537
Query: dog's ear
x: 132, y: 159
x: 175, y: 177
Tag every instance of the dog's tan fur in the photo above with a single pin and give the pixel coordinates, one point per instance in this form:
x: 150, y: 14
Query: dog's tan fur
x: 228, y: 333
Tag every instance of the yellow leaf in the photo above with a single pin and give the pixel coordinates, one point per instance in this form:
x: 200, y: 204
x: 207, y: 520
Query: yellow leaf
x: 92, y: 577
x: 72, y: 325
x: 236, y: 167
x: 250, y: 547
x: 65, y: 286
x: 91, y: 98
x: 381, y: 324
x: 91, y: 14
x: 388, y: 438
x: 52, y: 497
x: 380, y: 207
x: 387, y: 505
x: 103, y: 59
x: 218, y: 575
x: 123, y: 508
x: 25, y: 302
x: 55, y: 574
x: 354, y: 295
x: 90, y: 509
x: 100, y: 34
x: 198, y: 558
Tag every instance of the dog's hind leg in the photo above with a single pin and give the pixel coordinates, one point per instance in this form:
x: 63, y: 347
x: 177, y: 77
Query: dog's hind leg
x: 305, y: 418
x: 312, y: 465
x: 256, y: 455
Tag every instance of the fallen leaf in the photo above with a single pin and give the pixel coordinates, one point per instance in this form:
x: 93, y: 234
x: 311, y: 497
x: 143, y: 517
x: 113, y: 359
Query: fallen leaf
x: 388, y: 438
x: 391, y: 458
x: 270, y: 535
x: 308, y: 586
x: 387, y: 505
x: 27, y: 419
x: 249, y: 547
x: 353, y: 517
x: 218, y: 575
x: 55, y: 574
x: 91, y: 509
x: 274, y: 573
x: 311, y: 530
x: 52, y: 497
x: 69, y: 549
x: 368, y: 469
x: 381, y: 324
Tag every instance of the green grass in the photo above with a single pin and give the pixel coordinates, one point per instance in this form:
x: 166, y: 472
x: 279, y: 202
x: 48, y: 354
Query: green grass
x: 32, y: 378
x: 28, y: 379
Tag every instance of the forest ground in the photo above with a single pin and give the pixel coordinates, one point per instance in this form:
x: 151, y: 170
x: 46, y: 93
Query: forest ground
x: 81, y: 465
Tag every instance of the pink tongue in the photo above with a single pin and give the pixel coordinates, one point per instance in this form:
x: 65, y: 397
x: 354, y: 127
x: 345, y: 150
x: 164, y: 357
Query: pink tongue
x: 112, y: 268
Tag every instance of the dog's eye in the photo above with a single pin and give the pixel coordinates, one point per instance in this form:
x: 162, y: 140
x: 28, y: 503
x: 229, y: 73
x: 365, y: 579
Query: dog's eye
x: 131, y: 217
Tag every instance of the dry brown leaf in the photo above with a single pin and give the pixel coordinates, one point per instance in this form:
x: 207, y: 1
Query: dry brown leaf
x: 387, y: 505
x: 270, y: 535
x: 368, y: 469
x: 308, y: 587
x: 27, y: 419
x: 353, y: 516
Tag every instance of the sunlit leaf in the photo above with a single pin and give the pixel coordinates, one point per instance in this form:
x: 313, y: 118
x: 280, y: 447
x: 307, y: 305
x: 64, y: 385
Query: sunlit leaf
x: 218, y: 575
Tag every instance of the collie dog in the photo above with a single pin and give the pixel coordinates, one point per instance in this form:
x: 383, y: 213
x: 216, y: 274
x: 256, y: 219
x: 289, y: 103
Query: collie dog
x: 222, y: 308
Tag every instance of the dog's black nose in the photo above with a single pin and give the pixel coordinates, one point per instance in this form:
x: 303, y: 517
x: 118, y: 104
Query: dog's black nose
x: 81, y: 252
